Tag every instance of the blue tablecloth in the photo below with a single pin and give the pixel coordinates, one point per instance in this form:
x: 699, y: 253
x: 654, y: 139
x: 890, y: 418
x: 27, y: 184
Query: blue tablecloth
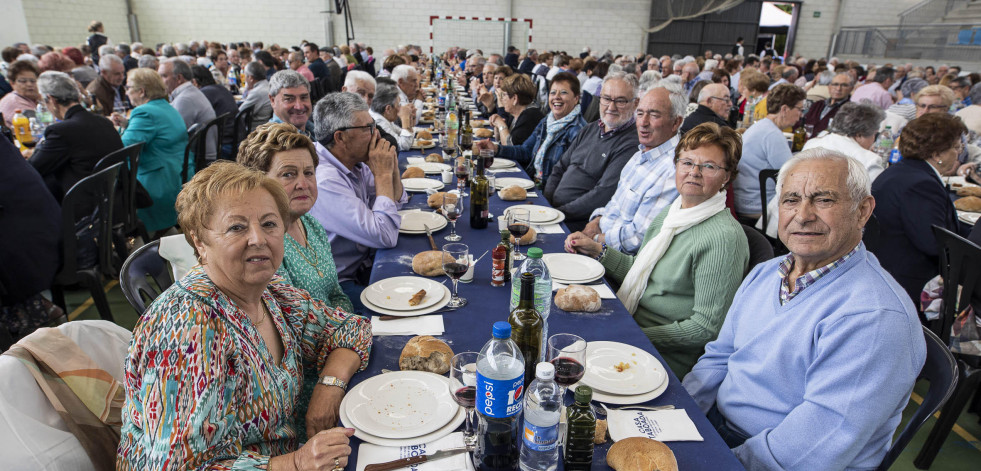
x: 468, y: 328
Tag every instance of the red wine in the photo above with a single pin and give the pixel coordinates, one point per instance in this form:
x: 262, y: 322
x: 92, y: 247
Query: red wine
x: 488, y: 162
x: 518, y: 230
x: 567, y: 371
x: 455, y: 270
x: 452, y: 215
x: 465, y: 396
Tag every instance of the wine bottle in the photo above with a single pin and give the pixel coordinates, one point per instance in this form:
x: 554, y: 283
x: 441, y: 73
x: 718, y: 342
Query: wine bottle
x: 526, y: 326
x: 466, y: 134
x: 479, y: 208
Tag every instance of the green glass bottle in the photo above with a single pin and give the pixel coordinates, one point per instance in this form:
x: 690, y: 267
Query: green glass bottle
x: 527, y: 326
x: 466, y: 132
x: 479, y: 207
x: 581, y: 428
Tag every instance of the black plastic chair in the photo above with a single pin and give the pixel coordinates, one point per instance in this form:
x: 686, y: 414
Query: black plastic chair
x: 960, y: 265
x: 126, y: 221
x: 760, y: 249
x: 243, y: 126
x: 145, y: 262
x: 940, y: 370
x: 197, y: 144
x: 765, y: 175
x: 99, y: 188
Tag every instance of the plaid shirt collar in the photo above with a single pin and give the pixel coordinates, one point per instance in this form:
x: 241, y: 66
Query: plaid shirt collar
x: 807, y: 279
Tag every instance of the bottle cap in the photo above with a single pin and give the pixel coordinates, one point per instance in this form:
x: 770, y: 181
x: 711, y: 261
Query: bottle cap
x: 505, y: 233
x: 584, y: 394
x: 501, y: 330
x: 535, y: 252
x: 544, y: 370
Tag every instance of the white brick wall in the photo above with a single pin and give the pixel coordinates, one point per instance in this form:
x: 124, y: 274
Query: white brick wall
x: 63, y: 23
x: 814, y: 34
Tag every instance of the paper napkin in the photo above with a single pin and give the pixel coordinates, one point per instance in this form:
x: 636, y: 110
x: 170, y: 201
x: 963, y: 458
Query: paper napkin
x: 602, y: 290
x: 422, y: 325
x: 549, y: 229
x: 663, y: 425
x: 371, y: 454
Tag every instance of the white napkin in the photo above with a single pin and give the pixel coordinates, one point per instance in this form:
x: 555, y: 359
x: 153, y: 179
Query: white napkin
x: 415, y: 160
x: 179, y: 253
x: 504, y: 170
x: 532, y: 194
x: 602, y: 290
x: 663, y: 425
x: 372, y: 454
x: 549, y: 229
x: 422, y: 325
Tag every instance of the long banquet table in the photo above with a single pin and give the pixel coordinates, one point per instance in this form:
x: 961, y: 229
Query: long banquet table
x: 468, y: 328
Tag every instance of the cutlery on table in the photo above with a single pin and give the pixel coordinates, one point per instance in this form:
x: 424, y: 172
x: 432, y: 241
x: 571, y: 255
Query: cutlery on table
x: 414, y: 460
x: 387, y: 317
x: 429, y: 233
x: 653, y: 408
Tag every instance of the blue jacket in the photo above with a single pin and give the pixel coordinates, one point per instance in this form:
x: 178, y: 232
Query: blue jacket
x: 160, y: 127
x: 525, y: 153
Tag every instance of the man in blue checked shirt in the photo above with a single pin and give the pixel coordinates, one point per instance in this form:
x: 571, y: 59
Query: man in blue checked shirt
x: 647, y: 181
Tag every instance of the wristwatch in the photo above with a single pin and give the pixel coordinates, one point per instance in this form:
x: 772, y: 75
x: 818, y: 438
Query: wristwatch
x: 332, y: 381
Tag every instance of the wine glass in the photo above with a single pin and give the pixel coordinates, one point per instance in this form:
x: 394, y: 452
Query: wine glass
x: 456, y: 261
x: 488, y: 155
x: 518, y: 226
x: 462, y: 170
x: 463, y: 388
x: 567, y: 352
x: 452, y: 208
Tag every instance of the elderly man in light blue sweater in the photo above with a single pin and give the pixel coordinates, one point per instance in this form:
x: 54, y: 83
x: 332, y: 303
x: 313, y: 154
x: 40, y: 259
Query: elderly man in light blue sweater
x: 819, y: 352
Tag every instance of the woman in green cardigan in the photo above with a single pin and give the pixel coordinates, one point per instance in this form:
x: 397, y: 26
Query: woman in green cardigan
x: 680, y: 284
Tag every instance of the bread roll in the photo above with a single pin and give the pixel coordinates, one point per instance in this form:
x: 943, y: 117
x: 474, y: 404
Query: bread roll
x: 968, y: 203
x: 422, y: 143
x: 483, y: 133
x: 426, y: 353
x: 414, y: 172
x: 435, y: 200
x: 529, y: 238
x: 434, y: 158
x: 600, y: 436
x: 424, y: 134
x: 513, y: 193
x: 641, y: 454
x: 968, y: 191
x: 428, y: 263
x: 578, y: 298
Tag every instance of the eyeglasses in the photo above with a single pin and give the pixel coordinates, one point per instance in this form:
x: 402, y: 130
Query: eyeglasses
x: 26, y: 80
x: 924, y: 106
x: 620, y: 102
x: 371, y: 126
x: 726, y: 99
x: 839, y: 85
x: 563, y: 93
x: 688, y: 166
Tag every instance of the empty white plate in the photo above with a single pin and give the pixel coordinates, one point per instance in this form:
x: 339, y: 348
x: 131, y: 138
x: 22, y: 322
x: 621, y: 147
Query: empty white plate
x: 394, y: 293
x: 420, y: 185
x: 414, y: 222
x: 621, y: 369
x: 500, y: 163
x: 432, y: 167
x: 401, y: 404
x: 537, y: 214
x: 430, y: 437
x: 508, y: 181
x: 574, y: 268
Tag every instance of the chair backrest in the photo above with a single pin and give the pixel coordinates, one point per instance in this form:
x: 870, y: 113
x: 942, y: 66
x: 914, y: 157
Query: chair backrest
x: 100, y: 188
x: 766, y: 174
x: 127, y: 181
x: 964, y: 36
x: 196, y: 145
x: 243, y: 126
x: 960, y: 265
x: 760, y: 249
x: 870, y: 235
x: 940, y: 370
x: 142, y: 263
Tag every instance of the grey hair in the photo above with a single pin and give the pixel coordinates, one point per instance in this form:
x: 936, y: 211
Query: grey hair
x: 630, y: 79
x: 975, y: 94
x: 884, y: 73
x: 676, y: 94
x: 287, y: 79
x: 106, y: 50
x: 858, y: 182
x: 181, y: 68
x: 181, y: 48
x: 703, y: 94
x: 614, y: 68
x: 59, y: 86
x: 355, y: 76
x: 335, y: 111
x: 256, y: 70
x: 850, y: 79
x: 789, y: 73
x: 647, y: 79
x: 492, y: 66
x: 710, y: 64
x: 402, y: 72
x: 825, y: 78
x: 912, y: 86
x: 385, y: 95
x: 168, y: 51
x: 857, y: 119
x: 105, y: 62
x: 123, y: 48
x: 148, y: 62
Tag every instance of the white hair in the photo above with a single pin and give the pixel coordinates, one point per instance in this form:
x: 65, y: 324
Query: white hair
x: 402, y: 72
x: 676, y: 95
x: 355, y: 76
x: 710, y: 64
x: 105, y: 62
x: 629, y: 79
x: 858, y: 182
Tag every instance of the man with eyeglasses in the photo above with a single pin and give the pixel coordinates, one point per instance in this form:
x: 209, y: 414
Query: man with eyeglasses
x: 587, y: 174
x: 822, y: 112
x: 961, y: 86
x: 713, y: 107
x: 359, y: 186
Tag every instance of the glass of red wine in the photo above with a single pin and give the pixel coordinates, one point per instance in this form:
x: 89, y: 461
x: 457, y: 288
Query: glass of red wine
x: 462, y: 171
x: 518, y: 226
x: 452, y: 209
x: 567, y: 352
x: 488, y: 155
x: 463, y: 388
x: 456, y: 261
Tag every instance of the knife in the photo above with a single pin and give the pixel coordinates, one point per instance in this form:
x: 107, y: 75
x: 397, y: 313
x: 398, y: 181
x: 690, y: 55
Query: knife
x: 429, y: 234
x: 406, y: 462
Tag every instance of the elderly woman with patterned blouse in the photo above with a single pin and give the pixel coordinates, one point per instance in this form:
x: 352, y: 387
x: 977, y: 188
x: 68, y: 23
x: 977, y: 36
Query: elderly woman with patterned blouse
x: 213, y: 374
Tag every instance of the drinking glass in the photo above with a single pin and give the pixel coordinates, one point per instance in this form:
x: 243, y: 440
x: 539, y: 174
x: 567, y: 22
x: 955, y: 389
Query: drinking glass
x: 463, y: 388
x: 567, y: 352
x: 462, y: 170
x: 456, y: 261
x: 452, y: 208
x: 491, y: 184
x: 518, y: 226
x: 488, y: 155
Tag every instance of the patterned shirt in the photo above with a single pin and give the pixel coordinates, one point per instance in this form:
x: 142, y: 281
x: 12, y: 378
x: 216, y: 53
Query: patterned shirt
x: 646, y: 188
x: 807, y: 279
x: 202, y: 390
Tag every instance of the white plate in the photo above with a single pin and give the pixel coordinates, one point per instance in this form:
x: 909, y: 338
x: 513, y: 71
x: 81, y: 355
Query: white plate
x: 956, y: 182
x: 431, y: 167
x: 420, y: 185
x: 401, y: 404
x: 574, y: 268
x: 643, y: 375
x: 500, y: 163
x: 413, y: 222
x: 600, y: 396
x: 537, y: 214
x: 435, y: 307
x: 508, y: 181
x: 968, y: 217
x: 416, y: 145
x: 440, y: 433
x: 394, y: 293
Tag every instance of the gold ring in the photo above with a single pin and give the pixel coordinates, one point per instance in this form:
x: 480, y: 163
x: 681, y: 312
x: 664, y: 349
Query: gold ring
x: 337, y: 465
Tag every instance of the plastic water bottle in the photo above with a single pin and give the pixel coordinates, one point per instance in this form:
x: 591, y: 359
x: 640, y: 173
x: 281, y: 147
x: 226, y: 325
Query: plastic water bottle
x: 37, y: 130
x: 543, y: 288
x: 883, y: 146
x: 539, y: 445
x: 43, y: 115
x: 500, y: 385
x: 895, y: 157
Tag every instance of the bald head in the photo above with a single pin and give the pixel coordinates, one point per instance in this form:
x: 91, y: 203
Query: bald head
x: 716, y: 97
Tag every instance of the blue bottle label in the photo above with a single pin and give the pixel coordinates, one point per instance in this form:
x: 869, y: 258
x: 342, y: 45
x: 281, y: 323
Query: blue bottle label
x: 541, y: 438
x: 499, y: 398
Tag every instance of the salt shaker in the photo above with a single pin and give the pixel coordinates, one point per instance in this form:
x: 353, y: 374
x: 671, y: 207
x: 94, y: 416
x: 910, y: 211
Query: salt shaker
x: 447, y: 176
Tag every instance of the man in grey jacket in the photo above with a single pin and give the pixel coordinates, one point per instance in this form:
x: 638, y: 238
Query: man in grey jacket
x: 188, y: 100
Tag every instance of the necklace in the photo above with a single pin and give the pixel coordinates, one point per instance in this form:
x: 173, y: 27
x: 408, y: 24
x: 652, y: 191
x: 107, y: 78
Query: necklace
x: 315, y: 263
x: 263, y: 318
